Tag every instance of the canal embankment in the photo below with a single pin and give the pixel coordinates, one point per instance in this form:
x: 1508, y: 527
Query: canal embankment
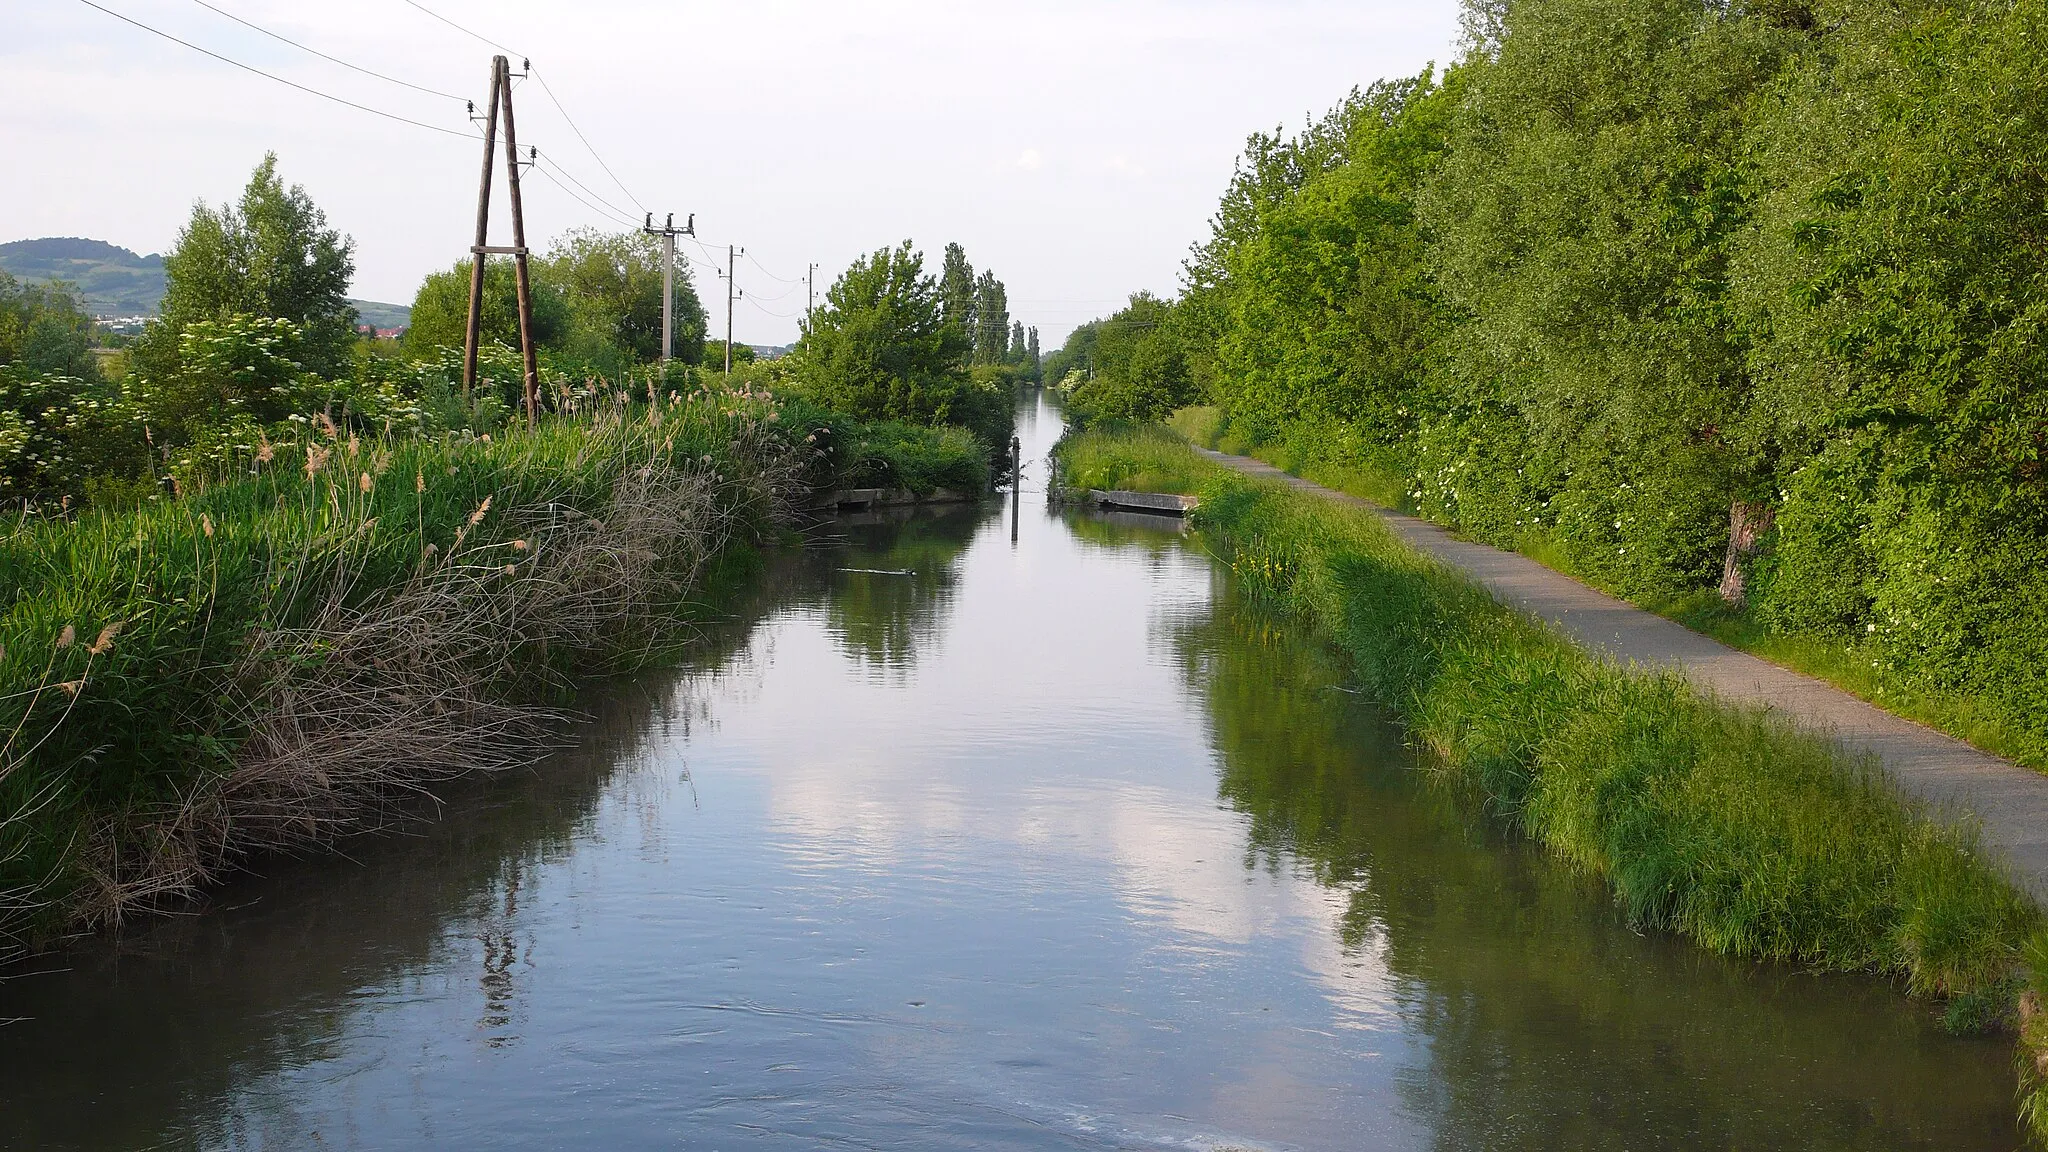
x: 1796, y: 830
x: 299, y: 651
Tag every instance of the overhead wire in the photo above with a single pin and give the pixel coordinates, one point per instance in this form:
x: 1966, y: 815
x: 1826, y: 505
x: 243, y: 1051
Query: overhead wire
x: 771, y: 275
x: 464, y: 31
x: 552, y: 98
x: 586, y: 140
x: 612, y: 217
x: 330, y: 59
x: 771, y: 311
x: 276, y: 78
x: 623, y: 215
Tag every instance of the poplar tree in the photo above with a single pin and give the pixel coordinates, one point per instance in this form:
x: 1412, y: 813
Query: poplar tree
x: 956, y: 291
x: 992, y: 320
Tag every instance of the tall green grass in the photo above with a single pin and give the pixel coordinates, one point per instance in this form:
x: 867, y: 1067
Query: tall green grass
x: 1132, y: 459
x: 1720, y: 822
x: 141, y: 650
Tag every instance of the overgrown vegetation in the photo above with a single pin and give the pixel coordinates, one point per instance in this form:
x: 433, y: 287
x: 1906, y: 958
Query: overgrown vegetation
x: 1729, y: 307
x: 336, y: 622
x: 267, y: 577
x: 1722, y: 823
x: 892, y: 342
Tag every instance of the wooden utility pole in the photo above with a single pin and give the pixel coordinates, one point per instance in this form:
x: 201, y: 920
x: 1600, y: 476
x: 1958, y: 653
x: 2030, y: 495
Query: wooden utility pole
x: 732, y: 293
x: 501, y: 98
x: 483, y: 233
x: 668, y: 233
x: 810, y: 290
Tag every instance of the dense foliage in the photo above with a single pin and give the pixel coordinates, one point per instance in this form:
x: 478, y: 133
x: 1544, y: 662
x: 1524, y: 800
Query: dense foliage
x: 1687, y: 295
x: 270, y: 254
x: 891, y: 342
x: 596, y: 304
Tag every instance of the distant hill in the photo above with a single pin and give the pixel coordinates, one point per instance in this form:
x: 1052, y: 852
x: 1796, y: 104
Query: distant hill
x: 112, y: 280
x: 116, y: 282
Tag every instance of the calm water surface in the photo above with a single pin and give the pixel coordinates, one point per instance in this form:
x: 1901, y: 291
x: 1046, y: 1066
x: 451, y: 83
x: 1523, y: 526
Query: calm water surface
x: 951, y: 842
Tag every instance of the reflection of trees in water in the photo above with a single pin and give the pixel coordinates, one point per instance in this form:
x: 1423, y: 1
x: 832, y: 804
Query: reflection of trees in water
x: 1550, y: 1024
x: 182, y: 1015
x: 1122, y: 532
x: 904, y: 584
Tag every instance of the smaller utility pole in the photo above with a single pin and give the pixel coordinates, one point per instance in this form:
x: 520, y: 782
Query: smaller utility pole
x: 732, y: 293
x: 668, y: 233
x: 811, y: 290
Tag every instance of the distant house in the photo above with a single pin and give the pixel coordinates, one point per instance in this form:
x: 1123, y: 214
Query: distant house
x: 391, y: 333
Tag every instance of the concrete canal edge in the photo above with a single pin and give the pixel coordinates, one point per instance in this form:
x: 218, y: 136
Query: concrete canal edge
x: 864, y: 498
x: 2008, y: 803
x: 1157, y: 503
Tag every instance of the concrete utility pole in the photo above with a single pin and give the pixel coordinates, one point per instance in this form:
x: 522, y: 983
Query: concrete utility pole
x: 732, y: 293
x: 501, y: 99
x: 668, y: 233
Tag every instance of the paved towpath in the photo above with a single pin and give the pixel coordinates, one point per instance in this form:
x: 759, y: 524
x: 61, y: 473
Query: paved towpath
x: 2010, y: 802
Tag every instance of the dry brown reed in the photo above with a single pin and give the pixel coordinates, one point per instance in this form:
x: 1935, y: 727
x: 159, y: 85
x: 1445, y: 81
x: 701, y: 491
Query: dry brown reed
x: 379, y: 694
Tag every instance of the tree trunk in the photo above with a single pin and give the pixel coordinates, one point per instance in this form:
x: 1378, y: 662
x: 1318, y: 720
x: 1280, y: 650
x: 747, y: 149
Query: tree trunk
x: 1747, y: 523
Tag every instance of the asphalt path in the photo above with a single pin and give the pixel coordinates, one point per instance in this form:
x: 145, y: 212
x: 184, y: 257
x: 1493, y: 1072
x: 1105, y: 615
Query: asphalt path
x: 2008, y: 803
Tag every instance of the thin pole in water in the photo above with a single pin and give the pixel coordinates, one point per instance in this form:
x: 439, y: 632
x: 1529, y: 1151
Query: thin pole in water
x: 1016, y: 486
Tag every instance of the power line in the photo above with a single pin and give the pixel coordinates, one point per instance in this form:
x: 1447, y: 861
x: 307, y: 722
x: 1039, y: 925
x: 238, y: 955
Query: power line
x: 465, y: 31
x: 770, y: 311
x: 278, y: 79
x: 586, y: 140
x: 614, y: 218
x: 552, y: 98
x: 771, y: 275
x: 784, y: 294
x: 330, y: 59
x: 616, y: 210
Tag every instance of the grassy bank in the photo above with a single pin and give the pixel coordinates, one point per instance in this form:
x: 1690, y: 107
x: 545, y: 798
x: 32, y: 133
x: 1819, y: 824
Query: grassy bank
x: 1864, y: 668
x: 1718, y: 822
x: 273, y: 658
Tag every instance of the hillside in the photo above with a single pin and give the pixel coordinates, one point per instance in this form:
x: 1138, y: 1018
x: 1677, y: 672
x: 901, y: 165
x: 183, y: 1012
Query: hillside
x: 116, y: 282
x: 112, y: 280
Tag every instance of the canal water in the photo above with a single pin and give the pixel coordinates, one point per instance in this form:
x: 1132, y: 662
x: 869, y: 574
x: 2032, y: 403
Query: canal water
x: 950, y: 841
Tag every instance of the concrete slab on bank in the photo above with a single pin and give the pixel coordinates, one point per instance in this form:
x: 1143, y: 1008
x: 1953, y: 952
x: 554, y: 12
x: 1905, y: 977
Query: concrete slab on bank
x: 2008, y: 802
x: 1156, y: 503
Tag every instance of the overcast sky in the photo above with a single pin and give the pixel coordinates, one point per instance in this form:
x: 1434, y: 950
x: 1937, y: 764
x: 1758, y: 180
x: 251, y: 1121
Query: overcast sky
x: 1074, y: 148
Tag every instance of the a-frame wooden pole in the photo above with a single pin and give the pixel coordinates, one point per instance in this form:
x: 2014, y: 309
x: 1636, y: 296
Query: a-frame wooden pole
x: 526, y: 347
x: 500, y: 70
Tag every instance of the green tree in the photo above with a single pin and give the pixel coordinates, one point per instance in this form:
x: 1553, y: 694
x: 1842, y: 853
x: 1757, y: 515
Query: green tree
x: 1073, y: 362
x: 612, y: 284
x: 882, y: 348
x: 1582, y: 219
x: 440, y: 310
x: 1139, y: 371
x: 1032, y: 360
x: 991, y: 320
x: 956, y: 291
x: 44, y: 330
x: 272, y: 255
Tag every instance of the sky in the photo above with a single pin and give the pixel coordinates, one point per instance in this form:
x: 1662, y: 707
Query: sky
x: 1075, y: 149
